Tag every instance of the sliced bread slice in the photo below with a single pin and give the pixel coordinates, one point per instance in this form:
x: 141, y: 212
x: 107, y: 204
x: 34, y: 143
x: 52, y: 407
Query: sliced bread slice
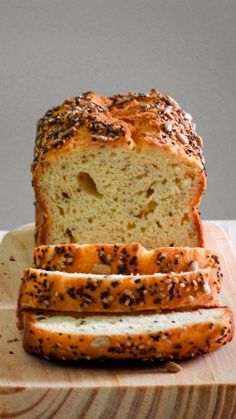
x: 122, y: 258
x: 59, y: 291
x: 140, y: 336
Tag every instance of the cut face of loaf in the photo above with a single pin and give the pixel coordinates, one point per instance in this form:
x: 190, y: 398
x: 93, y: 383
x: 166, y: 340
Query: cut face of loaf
x: 143, y: 184
x: 120, y: 195
x: 63, y: 292
x: 124, y: 259
x: 149, y: 336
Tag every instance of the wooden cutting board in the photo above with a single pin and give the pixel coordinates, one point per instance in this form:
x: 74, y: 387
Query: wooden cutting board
x: 31, y: 387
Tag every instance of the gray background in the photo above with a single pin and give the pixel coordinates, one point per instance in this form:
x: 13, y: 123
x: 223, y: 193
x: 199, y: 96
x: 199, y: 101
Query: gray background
x: 53, y: 49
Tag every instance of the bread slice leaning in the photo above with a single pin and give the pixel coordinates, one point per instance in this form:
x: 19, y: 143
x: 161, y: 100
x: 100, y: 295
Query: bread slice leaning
x: 128, y: 258
x: 59, y: 291
x: 141, y: 336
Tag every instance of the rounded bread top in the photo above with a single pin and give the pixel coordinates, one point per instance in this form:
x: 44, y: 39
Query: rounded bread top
x: 133, y: 120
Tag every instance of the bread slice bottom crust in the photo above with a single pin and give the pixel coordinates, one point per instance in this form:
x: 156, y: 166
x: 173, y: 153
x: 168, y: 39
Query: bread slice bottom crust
x: 176, y: 335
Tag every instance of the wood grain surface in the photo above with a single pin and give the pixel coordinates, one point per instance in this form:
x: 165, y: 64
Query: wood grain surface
x: 31, y: 387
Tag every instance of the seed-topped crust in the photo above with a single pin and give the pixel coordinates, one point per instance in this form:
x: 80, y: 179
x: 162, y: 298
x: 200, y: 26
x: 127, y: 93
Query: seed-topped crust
x: 133, y: 120
x: 129, y: 258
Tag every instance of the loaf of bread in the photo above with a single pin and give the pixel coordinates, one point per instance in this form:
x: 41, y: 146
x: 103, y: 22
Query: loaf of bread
x: 63, y: 292
x: 124, y: 259
x: 137, y: 336
x: 127, y: 168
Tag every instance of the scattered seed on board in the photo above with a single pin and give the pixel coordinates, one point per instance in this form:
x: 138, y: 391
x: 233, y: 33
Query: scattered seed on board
x: 173, y: 367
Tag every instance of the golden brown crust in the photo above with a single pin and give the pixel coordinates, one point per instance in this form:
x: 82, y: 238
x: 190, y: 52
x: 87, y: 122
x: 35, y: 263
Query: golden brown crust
x: 198, y: 224
x: 42, y: 220
x: 131, y: 258
x: 179, y: 342
x: 152, y: 118
x: 61, y: 292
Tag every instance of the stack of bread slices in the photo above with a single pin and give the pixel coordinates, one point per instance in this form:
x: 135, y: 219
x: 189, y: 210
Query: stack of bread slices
x: 122, y: 301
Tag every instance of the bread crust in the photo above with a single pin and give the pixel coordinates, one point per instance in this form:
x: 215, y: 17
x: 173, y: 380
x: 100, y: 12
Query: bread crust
x: 130, y: 121
x: 179, y: 343
x: 129, y: 258
x: 56, y: 291
x: 97, y: 120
